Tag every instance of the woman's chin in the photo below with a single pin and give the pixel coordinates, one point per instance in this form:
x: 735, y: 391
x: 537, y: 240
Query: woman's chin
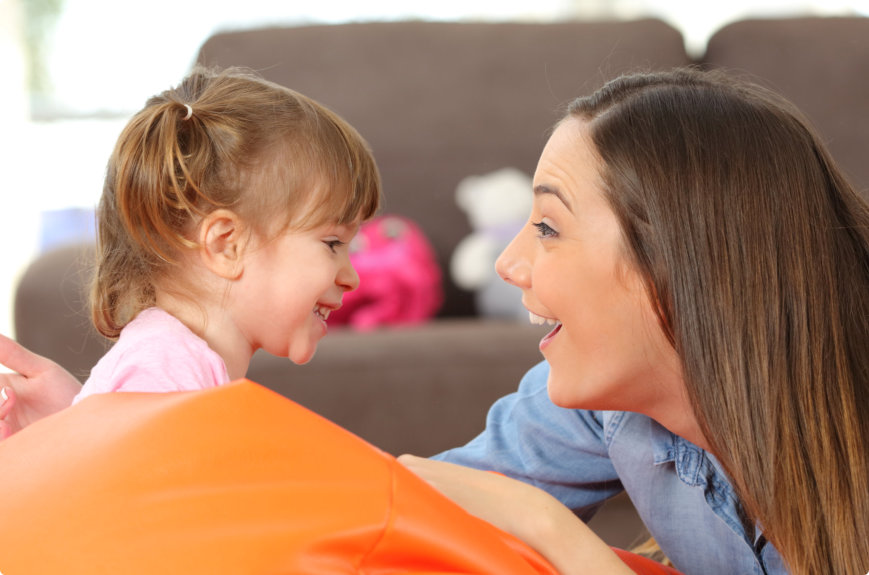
x: 573, y: 391
x: 560, y: 392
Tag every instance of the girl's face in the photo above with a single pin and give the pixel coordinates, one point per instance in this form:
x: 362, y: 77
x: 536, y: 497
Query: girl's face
x: 289, y: 286
x: 606, y: 350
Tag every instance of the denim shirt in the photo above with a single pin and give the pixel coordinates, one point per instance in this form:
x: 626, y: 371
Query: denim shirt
x: 584, y: 457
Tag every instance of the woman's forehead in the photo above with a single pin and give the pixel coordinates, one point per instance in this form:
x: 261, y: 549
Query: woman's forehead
x: 568, y: 164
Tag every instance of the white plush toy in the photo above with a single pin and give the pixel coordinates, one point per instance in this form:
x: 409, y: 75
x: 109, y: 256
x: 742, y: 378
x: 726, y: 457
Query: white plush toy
x: 497, y: 205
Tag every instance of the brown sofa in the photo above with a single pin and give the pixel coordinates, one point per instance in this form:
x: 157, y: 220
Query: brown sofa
x: 439, y: 102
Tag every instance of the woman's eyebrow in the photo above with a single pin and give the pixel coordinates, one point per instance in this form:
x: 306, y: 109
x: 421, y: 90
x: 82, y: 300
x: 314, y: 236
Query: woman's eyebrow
x: 542, y: 189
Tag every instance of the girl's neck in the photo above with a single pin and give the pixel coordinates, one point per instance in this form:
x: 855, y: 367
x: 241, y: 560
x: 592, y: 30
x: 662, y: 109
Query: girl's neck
x: 210, y: 323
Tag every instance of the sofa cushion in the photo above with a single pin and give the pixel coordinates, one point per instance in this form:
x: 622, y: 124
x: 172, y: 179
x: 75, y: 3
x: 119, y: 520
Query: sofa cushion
x: 821, y: 65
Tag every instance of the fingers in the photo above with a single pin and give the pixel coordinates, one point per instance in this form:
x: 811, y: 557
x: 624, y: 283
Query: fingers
x: 432, y: 468
x: 421, y: 467
x: 424, y: 467
x: 410, y: 462
x: 7, y: 401
x: 20, y: 359
x: 407, y: 459
x: 454, y: 481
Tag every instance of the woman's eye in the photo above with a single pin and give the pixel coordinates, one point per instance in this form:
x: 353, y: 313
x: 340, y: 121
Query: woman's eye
x: 544, y: 230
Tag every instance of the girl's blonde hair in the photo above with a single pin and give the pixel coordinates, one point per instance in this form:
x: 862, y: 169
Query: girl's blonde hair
x: 755, y: 249
x: 220, y: 139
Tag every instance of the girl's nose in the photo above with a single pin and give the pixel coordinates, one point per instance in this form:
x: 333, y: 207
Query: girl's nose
x: 514, y: 264
x: 347, y: 278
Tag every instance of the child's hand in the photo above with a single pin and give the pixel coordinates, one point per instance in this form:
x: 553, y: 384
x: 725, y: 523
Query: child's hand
x: 524, y: 511
x: 39, y: 387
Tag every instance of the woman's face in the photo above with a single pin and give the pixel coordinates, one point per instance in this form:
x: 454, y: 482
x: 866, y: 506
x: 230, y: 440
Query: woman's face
x: 606, y: 350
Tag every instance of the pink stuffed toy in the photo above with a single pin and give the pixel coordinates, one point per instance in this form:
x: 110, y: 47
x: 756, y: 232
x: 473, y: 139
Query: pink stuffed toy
x: 399, y: 278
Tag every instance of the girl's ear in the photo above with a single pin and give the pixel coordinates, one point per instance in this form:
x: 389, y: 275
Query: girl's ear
x: 223, y: 238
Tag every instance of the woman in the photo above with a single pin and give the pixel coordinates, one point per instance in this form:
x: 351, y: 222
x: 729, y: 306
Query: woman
x: 707, y: 268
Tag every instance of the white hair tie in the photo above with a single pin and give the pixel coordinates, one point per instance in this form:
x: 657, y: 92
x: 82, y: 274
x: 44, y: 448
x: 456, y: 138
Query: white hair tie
x: 189, y: 112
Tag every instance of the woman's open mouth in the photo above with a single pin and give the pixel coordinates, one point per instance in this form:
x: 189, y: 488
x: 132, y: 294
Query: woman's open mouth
x: 540, y: 320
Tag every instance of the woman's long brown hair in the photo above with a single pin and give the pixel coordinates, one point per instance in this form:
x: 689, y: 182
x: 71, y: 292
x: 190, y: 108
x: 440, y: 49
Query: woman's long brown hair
x: 756, y: 249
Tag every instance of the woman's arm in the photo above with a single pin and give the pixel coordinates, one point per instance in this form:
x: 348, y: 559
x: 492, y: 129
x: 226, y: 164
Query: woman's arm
x: 560, y: 450
x: 39, y: 387
x: 524, y: 511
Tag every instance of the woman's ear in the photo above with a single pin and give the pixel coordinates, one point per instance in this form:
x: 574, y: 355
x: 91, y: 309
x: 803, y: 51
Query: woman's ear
x: 223, y: 238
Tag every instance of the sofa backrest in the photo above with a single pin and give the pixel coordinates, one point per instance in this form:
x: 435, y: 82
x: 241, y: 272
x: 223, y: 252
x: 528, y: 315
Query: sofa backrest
x: 821, y: 65
x: 441, y: 101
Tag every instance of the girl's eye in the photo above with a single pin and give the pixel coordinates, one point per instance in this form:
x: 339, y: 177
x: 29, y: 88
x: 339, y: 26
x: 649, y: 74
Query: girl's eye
x: 543, y: 230
x: 333, y: 245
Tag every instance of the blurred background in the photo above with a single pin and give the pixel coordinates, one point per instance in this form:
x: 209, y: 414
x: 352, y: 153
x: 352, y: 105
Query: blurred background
x: 75, y: 70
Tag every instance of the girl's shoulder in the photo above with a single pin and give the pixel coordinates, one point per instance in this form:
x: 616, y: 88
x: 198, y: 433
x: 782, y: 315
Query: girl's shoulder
x: 156, y: 352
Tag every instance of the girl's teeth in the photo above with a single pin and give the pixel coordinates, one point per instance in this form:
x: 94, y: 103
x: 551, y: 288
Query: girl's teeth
x: 540, y: 320
x: 323, y: 312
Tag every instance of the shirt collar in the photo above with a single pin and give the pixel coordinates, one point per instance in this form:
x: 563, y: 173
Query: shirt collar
x: 699, y: 468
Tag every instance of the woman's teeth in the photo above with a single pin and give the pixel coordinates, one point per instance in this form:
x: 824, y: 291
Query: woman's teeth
x: 540, y: 320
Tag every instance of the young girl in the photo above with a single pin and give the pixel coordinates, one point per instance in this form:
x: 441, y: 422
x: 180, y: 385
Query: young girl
x: 223, y: 228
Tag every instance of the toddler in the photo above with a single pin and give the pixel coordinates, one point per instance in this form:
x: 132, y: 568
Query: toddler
x: 223, y: 227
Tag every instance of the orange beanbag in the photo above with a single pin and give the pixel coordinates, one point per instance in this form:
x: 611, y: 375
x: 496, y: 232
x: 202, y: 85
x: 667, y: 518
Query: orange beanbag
x: 236, y: 480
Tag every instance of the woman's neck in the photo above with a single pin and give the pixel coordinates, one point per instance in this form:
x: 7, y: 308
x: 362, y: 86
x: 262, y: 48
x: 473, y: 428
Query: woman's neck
x: 683, y: 423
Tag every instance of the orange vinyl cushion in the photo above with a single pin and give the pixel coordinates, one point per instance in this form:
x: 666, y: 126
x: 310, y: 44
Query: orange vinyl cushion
x: 236, y: 479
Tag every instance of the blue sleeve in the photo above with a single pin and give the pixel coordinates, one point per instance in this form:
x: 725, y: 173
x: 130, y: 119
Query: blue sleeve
x: 559, y: 450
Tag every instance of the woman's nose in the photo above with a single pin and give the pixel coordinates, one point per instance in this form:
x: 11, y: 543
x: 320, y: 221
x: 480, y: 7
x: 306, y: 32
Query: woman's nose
x: 514, y: 265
